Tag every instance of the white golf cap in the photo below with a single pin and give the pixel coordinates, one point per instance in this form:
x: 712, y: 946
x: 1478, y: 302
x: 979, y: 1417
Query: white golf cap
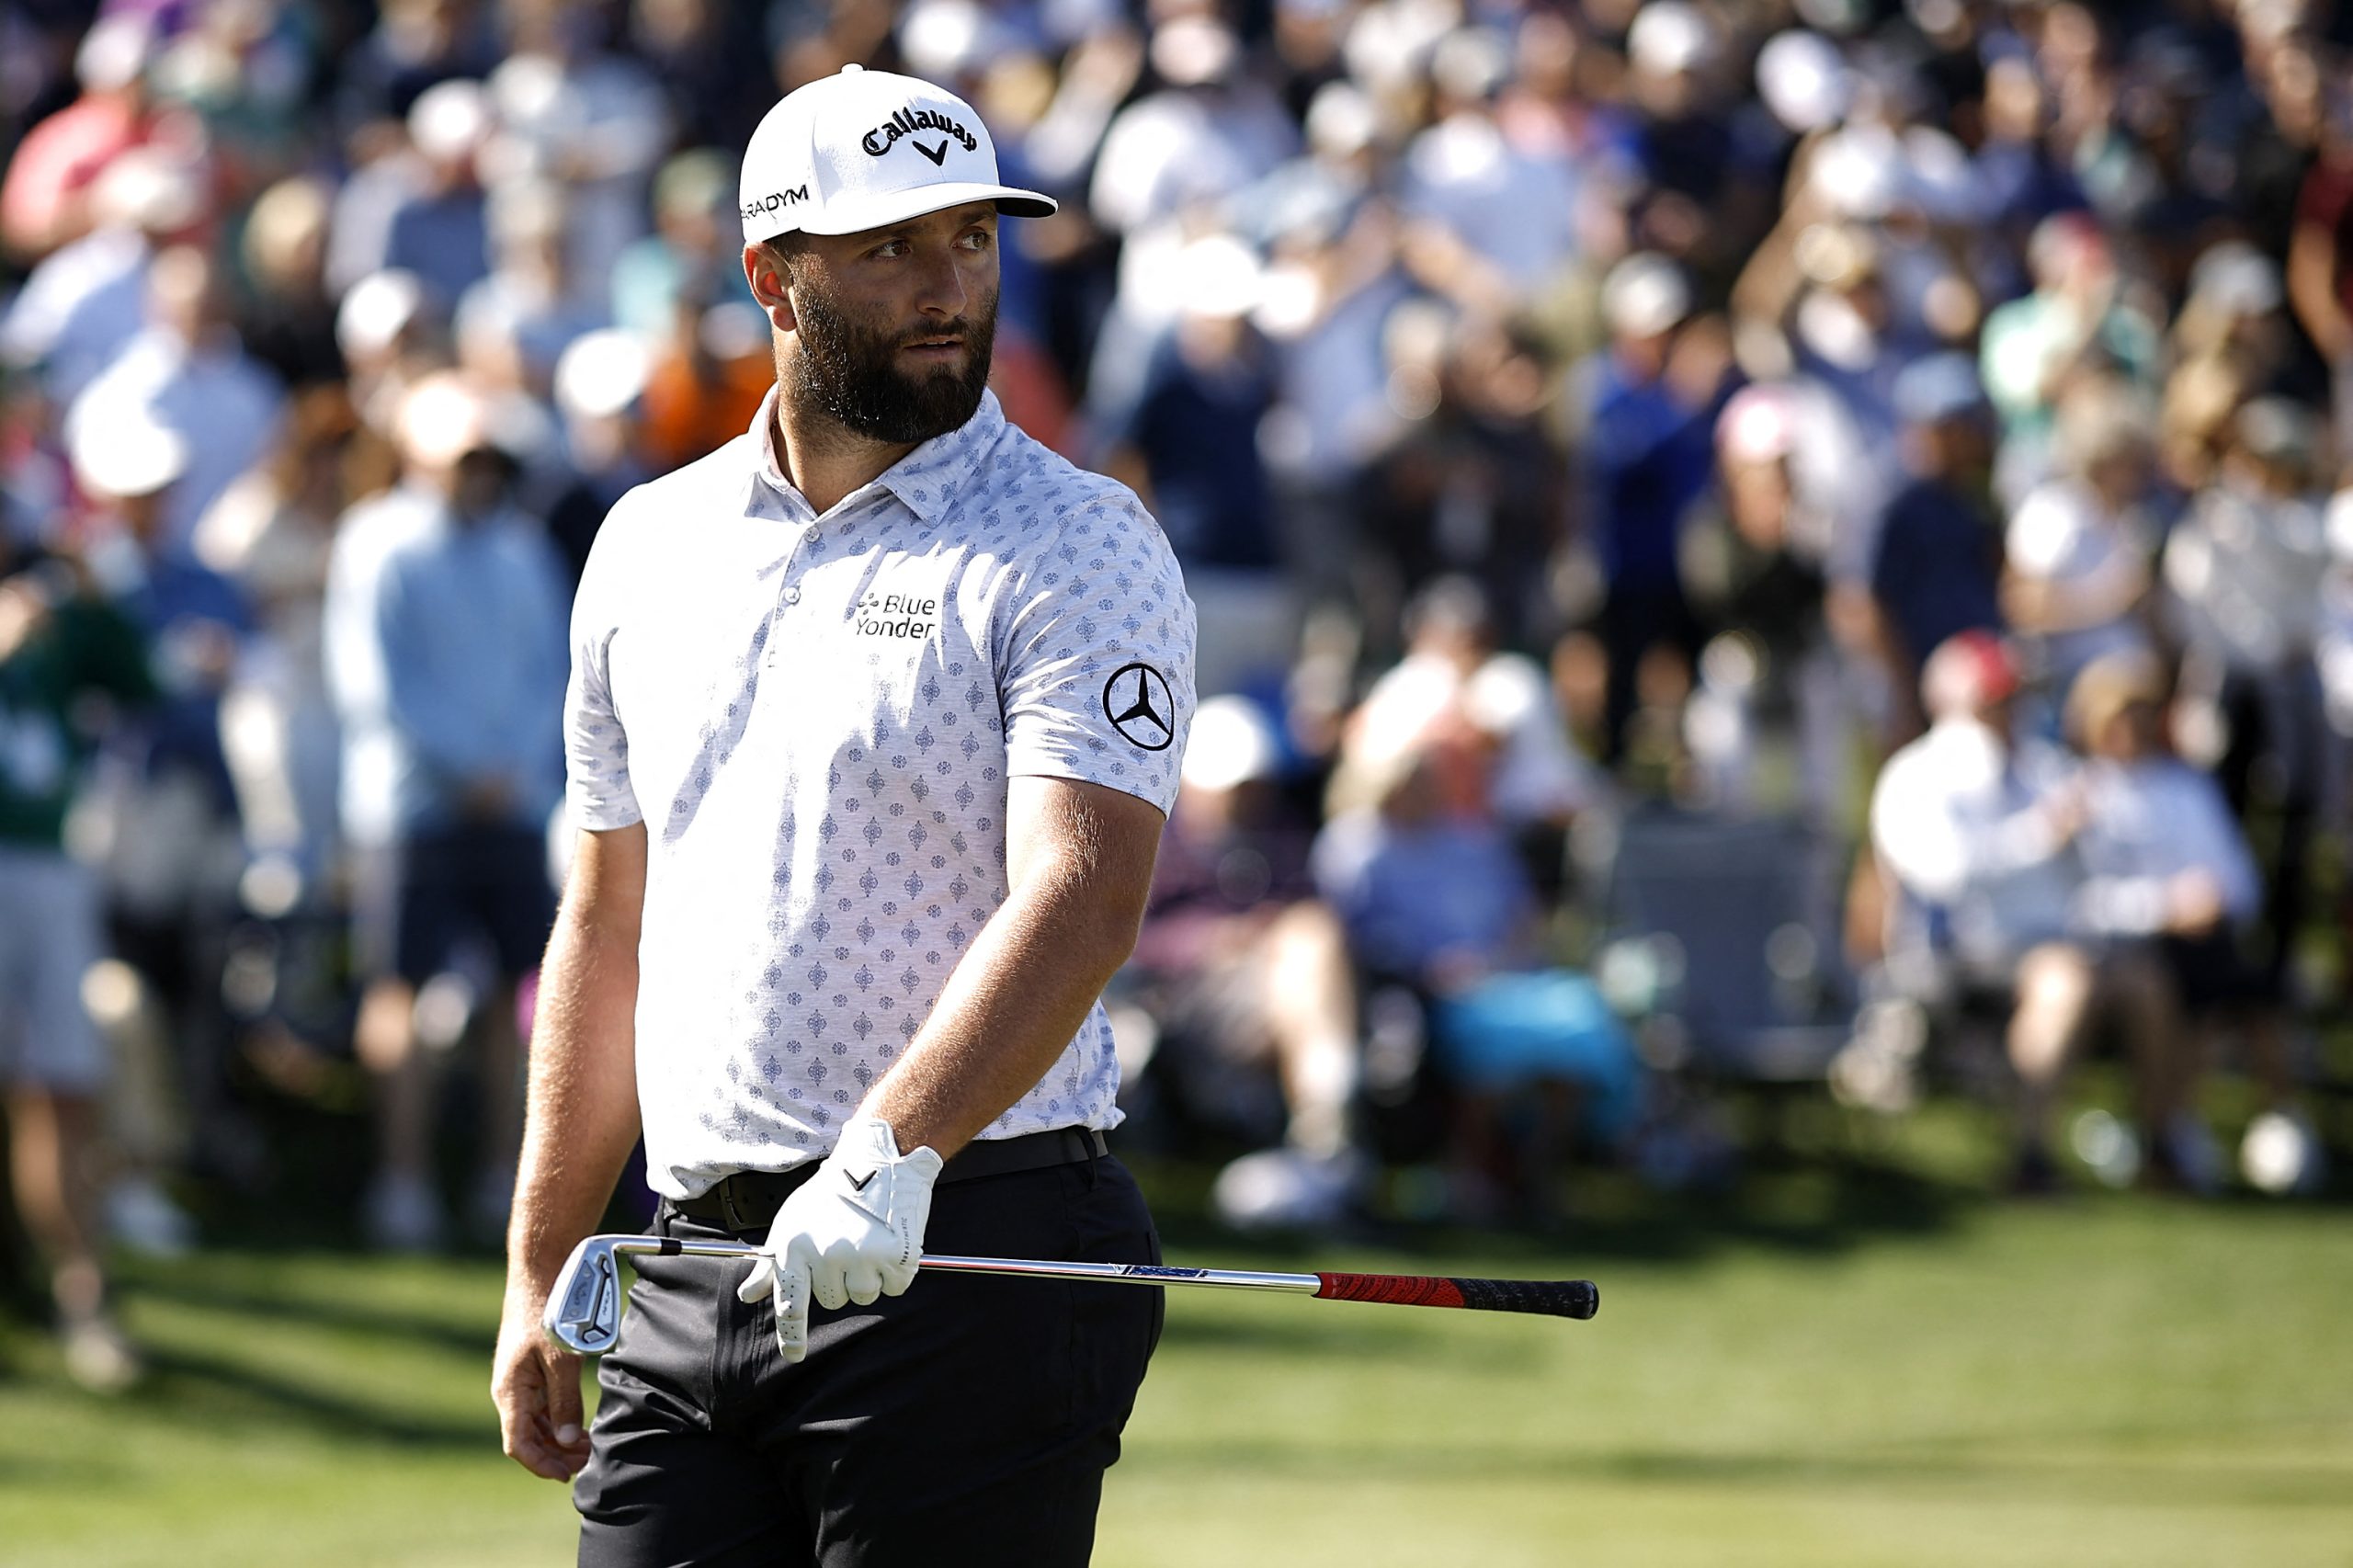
x: 866, y: 148
x: 1644, y: 295
x: 121, y: 449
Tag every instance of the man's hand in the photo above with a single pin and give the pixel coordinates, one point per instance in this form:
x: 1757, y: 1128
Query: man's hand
x: 2194, y: 903
x: 851, y: 1232
x: 536, y: 1384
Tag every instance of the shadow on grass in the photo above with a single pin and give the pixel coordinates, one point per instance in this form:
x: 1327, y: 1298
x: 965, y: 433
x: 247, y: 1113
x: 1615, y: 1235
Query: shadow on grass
x: 196, y: 1382
x: 1824, y: 1208
x: 207, y: 1293
x: 1933, y: 1468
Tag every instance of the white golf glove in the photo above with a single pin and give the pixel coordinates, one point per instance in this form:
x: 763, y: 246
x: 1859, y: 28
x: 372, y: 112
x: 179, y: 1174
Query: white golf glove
x: 851, y: 1232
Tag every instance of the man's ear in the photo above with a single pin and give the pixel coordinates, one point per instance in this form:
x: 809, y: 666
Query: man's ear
x: 771, y: 286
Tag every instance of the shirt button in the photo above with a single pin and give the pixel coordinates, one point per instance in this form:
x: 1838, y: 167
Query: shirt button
x: 792, y: 595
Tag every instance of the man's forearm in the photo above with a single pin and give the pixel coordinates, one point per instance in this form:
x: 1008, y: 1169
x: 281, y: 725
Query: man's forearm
x: 1009, y: 1009
x: 583, y: 1115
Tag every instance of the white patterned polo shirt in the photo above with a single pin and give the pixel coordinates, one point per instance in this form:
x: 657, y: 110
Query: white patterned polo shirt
x: 815, y: 718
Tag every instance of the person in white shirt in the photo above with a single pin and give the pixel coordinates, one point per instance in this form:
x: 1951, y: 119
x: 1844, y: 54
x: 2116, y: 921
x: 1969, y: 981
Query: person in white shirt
x: 2076, y: 559
x: 876, y: 715
x: 1975, y: 830
x: 2168, y: 877
x: 2246, y: 571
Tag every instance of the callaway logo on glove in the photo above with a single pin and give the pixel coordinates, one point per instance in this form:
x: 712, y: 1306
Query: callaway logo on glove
x: 851, y: 1232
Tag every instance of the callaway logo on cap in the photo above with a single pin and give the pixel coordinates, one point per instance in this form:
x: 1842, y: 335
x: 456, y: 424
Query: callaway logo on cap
x: 868, y: 148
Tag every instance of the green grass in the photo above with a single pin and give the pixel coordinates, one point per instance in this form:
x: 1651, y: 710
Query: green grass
x: 1849, y: 1366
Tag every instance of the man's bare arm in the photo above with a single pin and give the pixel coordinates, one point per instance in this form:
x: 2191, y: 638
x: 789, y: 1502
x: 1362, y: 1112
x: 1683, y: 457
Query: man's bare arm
x: 581, y: 1121
x: 1078, y: 857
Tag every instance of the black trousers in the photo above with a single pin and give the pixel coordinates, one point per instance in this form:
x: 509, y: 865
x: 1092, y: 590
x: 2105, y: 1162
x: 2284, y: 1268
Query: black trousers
x: 968, y: 1421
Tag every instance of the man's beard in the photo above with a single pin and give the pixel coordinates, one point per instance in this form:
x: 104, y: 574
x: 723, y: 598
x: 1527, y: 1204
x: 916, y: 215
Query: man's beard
x: 848, y: 371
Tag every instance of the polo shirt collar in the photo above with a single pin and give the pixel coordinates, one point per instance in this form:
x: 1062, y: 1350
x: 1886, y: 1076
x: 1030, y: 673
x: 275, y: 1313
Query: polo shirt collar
x: 925, y: 480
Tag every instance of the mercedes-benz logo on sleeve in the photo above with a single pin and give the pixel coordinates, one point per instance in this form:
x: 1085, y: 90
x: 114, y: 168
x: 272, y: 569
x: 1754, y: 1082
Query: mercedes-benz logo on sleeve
x: 1140, y: 707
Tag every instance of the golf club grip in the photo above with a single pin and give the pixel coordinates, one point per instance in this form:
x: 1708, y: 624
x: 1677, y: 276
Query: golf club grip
x: 1553, y: 1298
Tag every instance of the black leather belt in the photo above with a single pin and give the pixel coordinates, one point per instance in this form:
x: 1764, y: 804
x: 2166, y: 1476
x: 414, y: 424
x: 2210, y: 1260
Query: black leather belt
x: 748, y: 1200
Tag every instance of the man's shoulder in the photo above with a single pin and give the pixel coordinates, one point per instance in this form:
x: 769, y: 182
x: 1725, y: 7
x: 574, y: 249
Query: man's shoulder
x: 1021, y: 478
x: 714, y: 480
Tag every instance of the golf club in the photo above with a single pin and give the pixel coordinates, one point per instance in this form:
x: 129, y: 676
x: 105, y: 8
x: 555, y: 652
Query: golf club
x: 583, y: 1310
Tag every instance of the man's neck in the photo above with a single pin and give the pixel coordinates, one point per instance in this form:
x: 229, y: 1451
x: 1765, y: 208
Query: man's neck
x: 825, y: 461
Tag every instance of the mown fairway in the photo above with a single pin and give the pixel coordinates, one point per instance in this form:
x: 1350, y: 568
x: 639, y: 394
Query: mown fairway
x: 1838, y: 1376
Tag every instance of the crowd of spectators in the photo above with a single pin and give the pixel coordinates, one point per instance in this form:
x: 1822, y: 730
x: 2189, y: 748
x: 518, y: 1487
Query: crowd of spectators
x: 1917, y: 423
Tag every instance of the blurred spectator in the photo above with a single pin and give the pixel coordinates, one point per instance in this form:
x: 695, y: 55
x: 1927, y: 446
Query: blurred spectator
x: 159, y: 821
x: 1189, y: 446
x: 2076, y: 568
x: 1489, y: 222
x: 2168, y: 872
x: 1938, y: 562
x: 1473, y: 486
x: 1242, y: 966
x: 444, y: 656
x: 711, y: 369
x: 43, y: 201
x: 271, y: 533
x: 1436, y: 900
x: 187, y: 371
x: 592, y: 122
x: 1455, y: 681
x: 2235, y: 312
x: 1755, y: 562
x: 435, y: 221
x: 1976, y: 830
x: 414, y: 45
x: 530, y: 304
x: 692, y: 252
x: 2080, y: 319
x: 600, y: 390
x: 2320, y: 257
x: 1650, y: 401
x: 285, y: 315
x: 2245, y: 569
x: 66, y: 657
x: 86, y: 300
x: 1210, y: 127
x: 708, y: 57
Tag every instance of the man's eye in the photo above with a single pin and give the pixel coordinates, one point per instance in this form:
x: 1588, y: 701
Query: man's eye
x: 979, y: 238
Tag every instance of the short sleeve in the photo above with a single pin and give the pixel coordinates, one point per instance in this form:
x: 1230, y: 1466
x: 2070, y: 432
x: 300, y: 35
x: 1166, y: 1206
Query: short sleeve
x: 596, y: 746
x: 1096, y: 658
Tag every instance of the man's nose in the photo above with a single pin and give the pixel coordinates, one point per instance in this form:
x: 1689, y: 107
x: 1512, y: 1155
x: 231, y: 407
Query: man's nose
x: 941, y: 286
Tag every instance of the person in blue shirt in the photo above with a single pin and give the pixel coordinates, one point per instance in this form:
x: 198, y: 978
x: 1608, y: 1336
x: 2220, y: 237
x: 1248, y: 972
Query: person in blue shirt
x: 1648, y: 455
x: 1936, y: 572
x: 1438, y: 900
x: 446, y: 657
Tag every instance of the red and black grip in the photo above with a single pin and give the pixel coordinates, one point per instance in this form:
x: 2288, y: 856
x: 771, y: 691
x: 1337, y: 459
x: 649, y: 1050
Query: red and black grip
x: 1552, y: 1298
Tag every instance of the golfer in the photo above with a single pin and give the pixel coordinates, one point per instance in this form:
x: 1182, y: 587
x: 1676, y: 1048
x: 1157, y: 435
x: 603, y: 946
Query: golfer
x: 874, y: 717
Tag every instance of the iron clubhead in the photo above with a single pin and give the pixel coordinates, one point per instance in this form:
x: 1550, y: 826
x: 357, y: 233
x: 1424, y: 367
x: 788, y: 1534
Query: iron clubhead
x: 583, y: 1310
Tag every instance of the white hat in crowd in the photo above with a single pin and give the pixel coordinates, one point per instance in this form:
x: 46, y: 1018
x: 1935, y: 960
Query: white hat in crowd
x: 451, y: 120
x: 1232, y: 742
x: 442, y: 420
x: 120, y: 448
x: 863, y: 148
x: 1805, y: 80
x: 1670, y: 38
x: 602, y: 373
x: 375, y: 310
x: 1644, y: 295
